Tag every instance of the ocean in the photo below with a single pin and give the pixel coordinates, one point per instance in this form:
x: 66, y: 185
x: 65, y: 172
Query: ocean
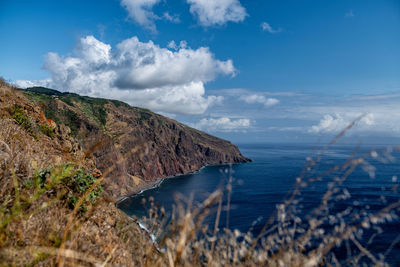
x: 259, y: 186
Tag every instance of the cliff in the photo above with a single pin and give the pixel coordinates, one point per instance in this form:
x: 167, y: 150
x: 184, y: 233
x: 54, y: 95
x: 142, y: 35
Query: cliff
x: 44, y: 173
x: 56, y: 147
x: 132, y: 147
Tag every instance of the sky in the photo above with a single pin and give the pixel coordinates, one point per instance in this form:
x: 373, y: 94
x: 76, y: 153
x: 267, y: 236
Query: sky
x: 244, y: 70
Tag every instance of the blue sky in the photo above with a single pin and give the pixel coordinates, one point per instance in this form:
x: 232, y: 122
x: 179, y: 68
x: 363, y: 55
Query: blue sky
x: 265, y: 71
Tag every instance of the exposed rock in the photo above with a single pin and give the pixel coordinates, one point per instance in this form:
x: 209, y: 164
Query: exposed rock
x: 132, y: 147
x: 34, y: 232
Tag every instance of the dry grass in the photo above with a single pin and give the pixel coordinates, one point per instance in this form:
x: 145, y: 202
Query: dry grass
x: 291, y: 237
x: 36, y: 227
x: 37, y: 224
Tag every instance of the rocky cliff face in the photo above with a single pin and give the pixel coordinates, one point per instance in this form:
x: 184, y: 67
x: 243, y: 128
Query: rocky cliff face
x: 133, y: 147
x: 47, y: 138
x: 35, y: 213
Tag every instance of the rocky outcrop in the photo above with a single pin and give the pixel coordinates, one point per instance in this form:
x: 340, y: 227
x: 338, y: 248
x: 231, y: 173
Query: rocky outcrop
x: 132, y: 147
x: 35, y: 213
x: 150, y: 147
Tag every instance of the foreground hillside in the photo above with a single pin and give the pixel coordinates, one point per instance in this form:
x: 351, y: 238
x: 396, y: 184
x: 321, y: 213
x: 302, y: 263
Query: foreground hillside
x: 133, y: 147
x: 53, y: 205
x: 58, y: 209
x: 64, y: 159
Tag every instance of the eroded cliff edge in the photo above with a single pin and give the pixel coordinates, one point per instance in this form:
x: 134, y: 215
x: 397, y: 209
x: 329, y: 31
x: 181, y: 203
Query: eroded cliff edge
x: 132, y: 147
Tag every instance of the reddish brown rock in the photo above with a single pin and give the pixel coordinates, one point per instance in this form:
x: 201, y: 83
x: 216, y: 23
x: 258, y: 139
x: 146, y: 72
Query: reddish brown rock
x: 132, y: 147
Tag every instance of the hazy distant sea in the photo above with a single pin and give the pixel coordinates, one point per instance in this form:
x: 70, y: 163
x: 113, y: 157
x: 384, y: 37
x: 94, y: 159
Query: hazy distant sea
x: 260, y: 185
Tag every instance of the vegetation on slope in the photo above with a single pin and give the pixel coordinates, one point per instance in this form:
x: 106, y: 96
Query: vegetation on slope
x: 147, y: 146
x: 53, y: 211
x: 93, y: 108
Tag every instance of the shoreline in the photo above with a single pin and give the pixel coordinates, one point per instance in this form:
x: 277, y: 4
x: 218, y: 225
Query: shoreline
x: 159, y: 181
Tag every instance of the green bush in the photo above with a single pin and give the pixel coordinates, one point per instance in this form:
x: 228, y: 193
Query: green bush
x: 72, y: 201
x: 41, y: 176
x: 71, y: 119
x: 48, y: 178
x: 119, y: 103
x: 144, y: 115
x: 47, y: 130
x: 78, y: 185
x: 21, y: 118
x: 101, y: 115
x: 78, y: 181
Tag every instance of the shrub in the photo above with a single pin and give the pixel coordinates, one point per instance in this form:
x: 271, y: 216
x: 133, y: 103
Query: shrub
x: 101, y: 115
x: 144, y: 115
x: 78, y: 184
x: 21, y: 118
x: 71, y: 119
x: 119, y: 103
x: 47, y: 130
x: 40, y: 176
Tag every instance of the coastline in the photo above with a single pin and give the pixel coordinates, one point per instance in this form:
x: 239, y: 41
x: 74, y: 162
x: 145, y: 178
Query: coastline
x: 159, y: 181
x: 154, y: 185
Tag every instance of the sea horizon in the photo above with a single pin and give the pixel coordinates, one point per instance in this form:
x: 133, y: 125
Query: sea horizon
x: 258, y: 187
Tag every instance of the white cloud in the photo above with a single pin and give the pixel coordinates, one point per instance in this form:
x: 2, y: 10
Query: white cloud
x: 93, y: 51
x: 223, y: 124
x: 271, y: 102
x: 376, y: 97
x: 142, y: 74
x: 337, y: 122
x: 265, y: 26
x: 26, y: 84
x: 171, y: 18
x: 145, y: 65
x: 172, y: 45
x: 252, y: 99
x: 210, y: 13
x: 349, y: 14
x: 141, y: 12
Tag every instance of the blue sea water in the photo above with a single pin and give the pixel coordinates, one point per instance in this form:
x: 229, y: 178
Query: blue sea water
x: 260, y: 185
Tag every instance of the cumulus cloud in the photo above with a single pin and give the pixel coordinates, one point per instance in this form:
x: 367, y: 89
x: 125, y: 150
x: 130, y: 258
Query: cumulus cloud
x: 265, y: 26
x: 223, y: 124
x: 210, y: 13
x: 337, y: 122
x: 252, y: 99
x: 145, y: 65
x: 142, y: 74
x: 141, y: 12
